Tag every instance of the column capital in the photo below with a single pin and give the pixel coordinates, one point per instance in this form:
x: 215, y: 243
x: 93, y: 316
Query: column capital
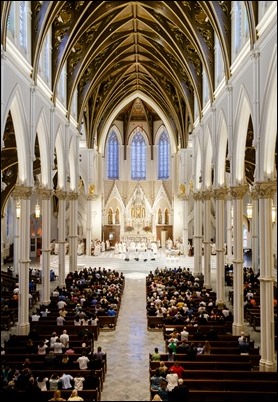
x: 72, y: 196
x: 198, y: 196
x: 22, y: 192
x: 238, y: 192
x: 207, y: 194
x: 265, y: 189
x: 45, y: 193
x: 61, y: 194
x: 91, y: 197
x: 220, y: 193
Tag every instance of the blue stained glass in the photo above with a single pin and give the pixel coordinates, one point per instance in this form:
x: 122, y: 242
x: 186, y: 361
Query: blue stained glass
x: 138, y: 157
x: 113, y: 157
x: 163, y: 156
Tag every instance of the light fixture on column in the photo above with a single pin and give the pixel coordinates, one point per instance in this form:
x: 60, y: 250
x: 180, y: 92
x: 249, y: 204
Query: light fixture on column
x: 273, y: 214
x: 37, y: 210
x: 18, y: 209
x: 249, y: 210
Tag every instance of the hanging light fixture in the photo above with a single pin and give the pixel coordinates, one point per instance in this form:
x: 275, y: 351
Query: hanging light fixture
x: 37, y: 210
x: 18, y: 209
x: 273, y: 214
x: 249, y: 210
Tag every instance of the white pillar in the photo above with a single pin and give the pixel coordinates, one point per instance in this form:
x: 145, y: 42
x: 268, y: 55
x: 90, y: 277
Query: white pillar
x: 197, y: 232
x: 46, y: 195
x: 265, y: 191
x: 89, y: 224
x: 73, y: 197
x: 229, y: 231
x: 219, y: 195
x: 16, y: 251
x: 255, y: 232
x: 207, y: 236
x: 237, y: 195
x: 62, y: 196
x: 24, y: 194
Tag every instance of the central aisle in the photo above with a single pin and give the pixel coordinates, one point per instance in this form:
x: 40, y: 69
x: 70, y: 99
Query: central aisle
x: 128, y: 347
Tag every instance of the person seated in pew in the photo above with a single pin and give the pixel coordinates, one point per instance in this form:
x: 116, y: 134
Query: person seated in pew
x: 78, y: 381
x: 57, y: 396
x: 180, y: 392
x: 74, y: 396
x: 51, y: 360
x: 156, y: 355
x: 155, y: 380
x: 177, y: 368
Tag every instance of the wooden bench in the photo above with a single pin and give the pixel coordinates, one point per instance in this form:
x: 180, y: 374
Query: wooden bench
x: 243, y: 364
x: 228, y: 374
x: 88, y: 395
x: 231, y: 396
x: 224, y: 356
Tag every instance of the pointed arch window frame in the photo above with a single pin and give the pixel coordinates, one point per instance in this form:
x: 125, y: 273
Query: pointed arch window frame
x: 113, y: 156
x: 138, y: 156
x: 163, y: 156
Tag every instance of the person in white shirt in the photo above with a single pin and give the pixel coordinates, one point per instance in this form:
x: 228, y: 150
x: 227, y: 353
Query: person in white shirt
x: 53, y: 339
x: 42, y: 382
x: 184, y: 334
x: 83, y: 361
x: 172, y: 379
x: 58, y: 346
x: 78, y: 382
x: 35, y: 317
x: 61, y: 304
x: 60, y: 320
x: 64, y: 338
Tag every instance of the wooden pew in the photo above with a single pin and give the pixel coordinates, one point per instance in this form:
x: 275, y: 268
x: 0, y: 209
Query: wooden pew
x: 244, y: 364
x: 87, y: 395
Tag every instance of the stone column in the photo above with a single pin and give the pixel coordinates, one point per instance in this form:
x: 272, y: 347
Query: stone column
x: 23, y: 195
x: 255, y: 231
x: 197, y: 232
x: 237, y: 194
x: 16, y: 251
x: 220, y: 195
x: 89, y: 199
x: 265, y: 191
x: 207, y: 236
x: 229, y: 230
x: 184, y: 198
x: 73, y: 197
x: 62, y: 196
x: 46, y: 195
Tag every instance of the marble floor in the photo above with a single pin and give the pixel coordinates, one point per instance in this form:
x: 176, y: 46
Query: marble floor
x: 128, y: 347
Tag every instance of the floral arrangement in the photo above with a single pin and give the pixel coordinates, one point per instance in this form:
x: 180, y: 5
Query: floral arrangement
x: 129, y: 228
x: 147, y: 229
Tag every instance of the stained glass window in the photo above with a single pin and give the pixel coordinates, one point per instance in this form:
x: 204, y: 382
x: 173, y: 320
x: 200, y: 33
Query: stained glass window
x: 138, y: 157
x: 163, y: 156
x: 113, y: 157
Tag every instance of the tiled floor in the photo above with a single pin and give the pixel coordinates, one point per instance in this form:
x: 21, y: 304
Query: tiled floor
x: 128, y: 347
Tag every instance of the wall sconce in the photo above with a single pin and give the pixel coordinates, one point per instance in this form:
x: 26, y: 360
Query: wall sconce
x: 18, y: 209
x: 273, y: 214
x: 249, y: 210
x: 37, y: 210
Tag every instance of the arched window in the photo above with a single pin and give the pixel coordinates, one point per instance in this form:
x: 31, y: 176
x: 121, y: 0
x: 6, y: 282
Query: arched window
x: 138, y: 157
x: 163, y: 156
x: 113, y: 157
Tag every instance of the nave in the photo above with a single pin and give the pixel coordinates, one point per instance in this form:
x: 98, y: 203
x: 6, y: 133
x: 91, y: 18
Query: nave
x: 128, y: 347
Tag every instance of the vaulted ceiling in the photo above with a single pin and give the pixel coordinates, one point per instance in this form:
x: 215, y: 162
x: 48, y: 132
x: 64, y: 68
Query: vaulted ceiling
x: 115, y: 48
